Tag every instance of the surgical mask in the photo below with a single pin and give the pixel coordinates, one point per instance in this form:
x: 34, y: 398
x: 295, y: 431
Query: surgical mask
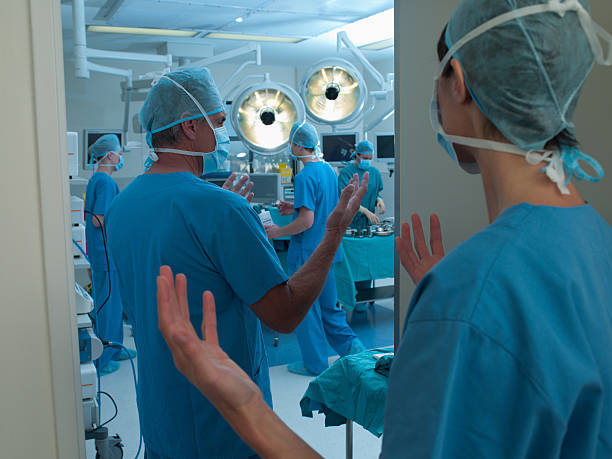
x: 119, y: 165
x: 365, y: 163
x: 213, y: 159
x: 558, y: 162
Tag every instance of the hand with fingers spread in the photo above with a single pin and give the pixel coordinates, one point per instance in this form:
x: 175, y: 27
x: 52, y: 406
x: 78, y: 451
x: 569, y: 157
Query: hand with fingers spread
x: 241, y: 187
x: 348, y: 204
x: 418, y: 259
x: 202, y: 361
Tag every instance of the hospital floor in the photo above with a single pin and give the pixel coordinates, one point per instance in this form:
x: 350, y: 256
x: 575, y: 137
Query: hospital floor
x: 375, y: 329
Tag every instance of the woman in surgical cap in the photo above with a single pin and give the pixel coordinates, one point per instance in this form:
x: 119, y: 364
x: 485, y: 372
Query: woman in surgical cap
x: 506, y: 348
x: 107, y: 158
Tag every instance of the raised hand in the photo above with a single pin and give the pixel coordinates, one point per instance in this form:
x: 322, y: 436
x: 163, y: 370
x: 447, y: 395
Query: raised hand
x: 241, y: 187
x: 348, y: 204
x: 417, y: 259
x: 202, y: 361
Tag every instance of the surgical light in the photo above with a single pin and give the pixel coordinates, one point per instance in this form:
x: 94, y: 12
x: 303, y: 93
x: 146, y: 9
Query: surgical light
x: 143, y: 31
x: 239, y: 19
x: 333, y: 91
x: 263, y: 114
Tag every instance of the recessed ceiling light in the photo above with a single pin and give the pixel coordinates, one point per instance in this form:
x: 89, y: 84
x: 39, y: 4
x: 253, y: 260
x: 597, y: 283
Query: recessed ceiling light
x: 378, y: 45
x: 247, y: 37
x: 239, y: 19
x: 142, y: 31
x: 241, y: 155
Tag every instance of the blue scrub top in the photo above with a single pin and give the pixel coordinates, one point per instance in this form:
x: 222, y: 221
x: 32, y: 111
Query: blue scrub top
x: 215, y: 238
x: 101, y: 190
x: 375, y: 186
x: 506, y: 349
x: 316, y: 188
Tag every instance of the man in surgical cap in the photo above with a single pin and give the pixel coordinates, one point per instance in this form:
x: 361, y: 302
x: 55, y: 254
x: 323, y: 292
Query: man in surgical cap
x: 106, y: 157
x: 169, y: 216
x: 506, y: 344
x: 372, y: 202
x: 316, y: 195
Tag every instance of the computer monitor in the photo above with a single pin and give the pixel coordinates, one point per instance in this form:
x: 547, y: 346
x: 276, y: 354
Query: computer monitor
x: 90, y: 136
x: 266, y: 187
x: 385, y: 148
x: 338, y: 148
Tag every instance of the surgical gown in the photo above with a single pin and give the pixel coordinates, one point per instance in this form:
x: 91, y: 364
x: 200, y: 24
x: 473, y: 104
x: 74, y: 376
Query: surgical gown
x: 100, y: 193
x: 316, y: 188
x: 215, y: 238
x: 375, y: 186
x: 507, y: 346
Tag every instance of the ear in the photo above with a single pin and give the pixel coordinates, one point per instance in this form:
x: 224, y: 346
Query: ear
x: 459, y: 88
x: 189, y: 129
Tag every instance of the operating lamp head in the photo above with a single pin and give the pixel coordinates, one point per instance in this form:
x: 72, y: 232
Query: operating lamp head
x: 263, y: 114
x: 334, y: 91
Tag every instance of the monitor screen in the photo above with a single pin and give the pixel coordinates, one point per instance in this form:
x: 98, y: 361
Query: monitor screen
x: 338, y: 147
x: 266, y: 187
x: 91, y: 135
x: 385, y: 146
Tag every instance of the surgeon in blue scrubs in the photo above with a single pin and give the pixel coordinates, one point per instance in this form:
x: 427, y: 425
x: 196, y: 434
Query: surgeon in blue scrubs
x: 106, y: 155
x: 506, y: 348
x: 169, y: 216
x: 372, y: 202
x: 316, y: 195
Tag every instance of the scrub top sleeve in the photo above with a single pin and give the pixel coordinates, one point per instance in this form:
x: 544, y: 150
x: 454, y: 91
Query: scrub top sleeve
x: 104, y: 194
x: 305, y: 192
x: 380, y: 182
x: 454, y: 392
x: 243, y: 254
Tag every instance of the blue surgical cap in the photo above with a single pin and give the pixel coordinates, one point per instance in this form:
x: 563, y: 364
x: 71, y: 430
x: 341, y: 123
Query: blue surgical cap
x: 104, y: 145
x: 525, y: 74
x: 304, y: 135
x: 365, y: 147
x: 167, y: 104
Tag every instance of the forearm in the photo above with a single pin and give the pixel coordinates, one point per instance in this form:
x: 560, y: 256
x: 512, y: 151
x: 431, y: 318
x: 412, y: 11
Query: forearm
x: 266, y: 433
x: 297, y: 226
x: 285, y: 306
x: 363, y: 210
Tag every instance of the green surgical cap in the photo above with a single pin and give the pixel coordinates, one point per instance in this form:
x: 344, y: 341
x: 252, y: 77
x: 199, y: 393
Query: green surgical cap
x: 525, y: 74
x: 167, y: 104
x: 365, y: 147
x: 104, y: 145
x: 304, y: 135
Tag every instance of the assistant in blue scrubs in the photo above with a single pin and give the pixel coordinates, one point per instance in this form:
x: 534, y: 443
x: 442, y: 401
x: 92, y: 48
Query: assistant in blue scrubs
x: 506, y: 346
x: 218, y: 241
x: 316, y: 192
x: 372, y: 200
x: 100, y: 193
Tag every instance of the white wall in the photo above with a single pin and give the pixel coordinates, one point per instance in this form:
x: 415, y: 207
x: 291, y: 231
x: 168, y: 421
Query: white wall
x: 39, y: 389
x: 428, y: 181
